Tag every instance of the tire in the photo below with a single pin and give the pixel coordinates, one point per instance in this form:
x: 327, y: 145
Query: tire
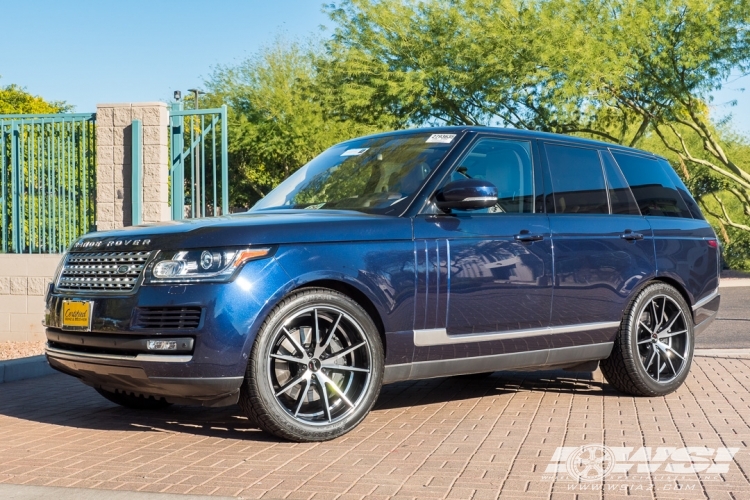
x: 653, y: 350
x: 134, y: 402
x: 309, y: 384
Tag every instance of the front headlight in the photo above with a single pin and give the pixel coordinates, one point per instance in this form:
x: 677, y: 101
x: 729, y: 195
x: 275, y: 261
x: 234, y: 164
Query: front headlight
x: 204, y: 265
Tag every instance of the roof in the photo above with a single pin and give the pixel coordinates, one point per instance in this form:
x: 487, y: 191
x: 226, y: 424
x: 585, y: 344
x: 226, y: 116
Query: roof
x: 530, y: 134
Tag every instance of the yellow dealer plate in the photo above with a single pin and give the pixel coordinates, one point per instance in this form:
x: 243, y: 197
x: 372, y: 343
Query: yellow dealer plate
x: 76, y: 315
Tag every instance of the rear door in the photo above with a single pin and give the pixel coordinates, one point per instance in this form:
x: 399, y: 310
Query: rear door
x: 684, y: 241
x: 603, y: 247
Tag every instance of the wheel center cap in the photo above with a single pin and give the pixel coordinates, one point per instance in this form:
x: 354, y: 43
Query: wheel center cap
x: 654, y: 336
x: 314, y: 364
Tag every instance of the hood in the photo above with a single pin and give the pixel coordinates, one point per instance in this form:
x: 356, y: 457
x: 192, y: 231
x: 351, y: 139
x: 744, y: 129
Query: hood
x: 251, y: 228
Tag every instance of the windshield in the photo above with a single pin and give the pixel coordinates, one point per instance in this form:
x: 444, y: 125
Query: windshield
x: 374, y: 175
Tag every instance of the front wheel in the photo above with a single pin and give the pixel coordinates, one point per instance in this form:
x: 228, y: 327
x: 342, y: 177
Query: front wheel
x: 316, y: 367
x: 654, y: 348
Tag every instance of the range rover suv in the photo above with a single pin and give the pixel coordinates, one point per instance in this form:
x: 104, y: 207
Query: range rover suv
x: 400, y: 256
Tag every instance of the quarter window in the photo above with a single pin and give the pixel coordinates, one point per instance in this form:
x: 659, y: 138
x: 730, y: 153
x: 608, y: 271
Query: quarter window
x: 652, y: 186
x: 506, y: 164
x: 577, y: 180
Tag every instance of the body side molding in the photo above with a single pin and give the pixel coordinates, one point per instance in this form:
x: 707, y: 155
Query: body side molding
x: 559, y: 357
x: 440, y: 336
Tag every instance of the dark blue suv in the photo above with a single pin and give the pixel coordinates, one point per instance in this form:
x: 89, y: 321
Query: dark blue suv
x: 400, y: 256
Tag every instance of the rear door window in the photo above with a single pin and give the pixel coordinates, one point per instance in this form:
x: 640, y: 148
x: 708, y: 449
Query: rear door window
x: 652, y: 186
x: 621, y: 199
x: 577, y: 180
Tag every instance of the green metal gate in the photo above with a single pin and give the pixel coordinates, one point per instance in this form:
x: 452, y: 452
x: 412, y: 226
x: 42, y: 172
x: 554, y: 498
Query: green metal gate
x: 194, y: 177
x: 47, y: 172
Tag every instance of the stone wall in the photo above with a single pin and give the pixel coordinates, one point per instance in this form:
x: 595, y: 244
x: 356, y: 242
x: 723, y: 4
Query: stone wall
x: 114, y: 163
x: 23, y: 282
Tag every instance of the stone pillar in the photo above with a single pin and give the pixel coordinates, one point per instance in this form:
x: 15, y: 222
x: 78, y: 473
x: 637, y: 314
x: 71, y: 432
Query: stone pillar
x: 114, y: 163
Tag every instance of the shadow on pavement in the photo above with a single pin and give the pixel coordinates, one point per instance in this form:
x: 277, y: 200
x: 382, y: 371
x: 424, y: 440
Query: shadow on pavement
x: 64, y: 401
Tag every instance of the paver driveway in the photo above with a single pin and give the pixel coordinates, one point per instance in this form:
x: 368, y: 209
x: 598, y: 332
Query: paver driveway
x: 443, y: 438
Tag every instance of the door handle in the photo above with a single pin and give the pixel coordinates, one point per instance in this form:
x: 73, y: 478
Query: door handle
x: 631, y: 236
x: 525, y: 236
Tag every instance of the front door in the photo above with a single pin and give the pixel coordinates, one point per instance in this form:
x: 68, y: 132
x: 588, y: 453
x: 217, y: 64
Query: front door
x: 482, y: 273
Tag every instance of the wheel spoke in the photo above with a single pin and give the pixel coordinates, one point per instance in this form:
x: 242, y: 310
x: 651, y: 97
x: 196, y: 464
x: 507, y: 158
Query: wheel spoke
x: 291, y: 384
x: 345, y: 368
x: 651, y: 359
x: 675, y: 352
x: 644, y: 341
x: 294, y: 342
x: 654, y: 316
x: 302, y: 396
x: 664, y: 311
x: 317, y: 328
x: 671, y: 322
x: 320, y: 349
x: 658, y: 366
x: 290, y: 359
x: 323, y: 396
x: 340, y: 354
x: 649, y: 330
x: 671, y: 334
x: 669, y: 360
x: 335, y: 388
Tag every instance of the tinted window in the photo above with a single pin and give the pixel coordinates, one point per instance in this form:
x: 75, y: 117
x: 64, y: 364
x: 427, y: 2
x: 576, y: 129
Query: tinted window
x: 507, y: 165
x: 577, y: 180
x: 652, y: 186
x: 686, y: 196
x: 621, y: 199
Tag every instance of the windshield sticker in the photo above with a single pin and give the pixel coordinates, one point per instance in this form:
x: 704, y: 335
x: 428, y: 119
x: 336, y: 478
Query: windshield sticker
x: 442, y: 138
x: 314, y: 207
x: 354, y: 152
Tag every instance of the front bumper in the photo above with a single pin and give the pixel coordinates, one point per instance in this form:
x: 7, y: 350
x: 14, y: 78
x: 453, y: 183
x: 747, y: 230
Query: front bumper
x: 209, y: 364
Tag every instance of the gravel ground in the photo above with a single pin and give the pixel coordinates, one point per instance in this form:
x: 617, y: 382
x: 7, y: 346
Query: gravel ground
x: 14, y: 350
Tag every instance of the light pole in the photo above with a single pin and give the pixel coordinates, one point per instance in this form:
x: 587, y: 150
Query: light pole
x: 196, y: 162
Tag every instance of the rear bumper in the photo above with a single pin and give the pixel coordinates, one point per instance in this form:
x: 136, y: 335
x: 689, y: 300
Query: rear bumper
x: 705, y: 311
x: 129, y: 374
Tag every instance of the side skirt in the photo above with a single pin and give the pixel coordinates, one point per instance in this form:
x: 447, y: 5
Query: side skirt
x: 511, y: 361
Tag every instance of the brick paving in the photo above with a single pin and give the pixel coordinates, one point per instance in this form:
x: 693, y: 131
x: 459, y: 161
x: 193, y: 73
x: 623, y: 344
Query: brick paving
x: 453, y: 438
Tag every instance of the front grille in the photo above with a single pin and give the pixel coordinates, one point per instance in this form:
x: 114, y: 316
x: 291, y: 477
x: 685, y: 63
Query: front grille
x: 102, y: 271
x: 167, y: 318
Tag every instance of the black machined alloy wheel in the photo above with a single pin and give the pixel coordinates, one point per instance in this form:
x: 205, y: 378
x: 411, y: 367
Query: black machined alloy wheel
x: 315, y: 369
x: 662, y: 338
x: 654, y: 348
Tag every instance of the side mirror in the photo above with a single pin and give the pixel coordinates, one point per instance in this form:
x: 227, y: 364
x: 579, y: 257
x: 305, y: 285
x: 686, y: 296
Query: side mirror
x: 466, y: 194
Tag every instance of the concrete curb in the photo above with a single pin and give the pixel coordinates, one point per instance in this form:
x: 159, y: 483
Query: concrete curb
x: 723, y: 353
x: 731, y: 282
x: 23, y: 368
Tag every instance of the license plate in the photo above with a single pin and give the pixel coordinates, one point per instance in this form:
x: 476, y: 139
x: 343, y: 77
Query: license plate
x: 76, y: 315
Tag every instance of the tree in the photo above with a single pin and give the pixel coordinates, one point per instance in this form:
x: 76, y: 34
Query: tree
x: 278, y: 120
x: 15, y: 100
x: 624, y: 71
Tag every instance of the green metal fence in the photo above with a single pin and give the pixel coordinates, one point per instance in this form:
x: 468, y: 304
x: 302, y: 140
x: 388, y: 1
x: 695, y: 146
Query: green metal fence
x: 47, y: 180
x: 198, y: 172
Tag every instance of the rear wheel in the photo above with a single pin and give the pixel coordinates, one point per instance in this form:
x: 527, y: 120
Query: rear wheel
x: 135, y: 402
x: 316, y: 368
x: 654, y: 348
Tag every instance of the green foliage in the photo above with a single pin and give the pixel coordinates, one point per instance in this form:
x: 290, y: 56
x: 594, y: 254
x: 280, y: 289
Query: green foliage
x: 278, y: 120
x: 15, y: 100
x: 633, y: 72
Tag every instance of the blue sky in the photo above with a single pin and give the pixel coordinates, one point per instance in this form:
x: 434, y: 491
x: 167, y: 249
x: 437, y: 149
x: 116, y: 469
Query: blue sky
x: 94, y: 51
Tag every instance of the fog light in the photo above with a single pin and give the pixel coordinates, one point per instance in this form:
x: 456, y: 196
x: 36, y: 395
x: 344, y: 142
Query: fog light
x: 161, y: 345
